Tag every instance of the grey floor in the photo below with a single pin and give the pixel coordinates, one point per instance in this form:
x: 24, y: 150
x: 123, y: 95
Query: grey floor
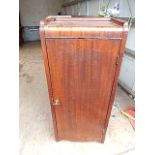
x: 36, y: 128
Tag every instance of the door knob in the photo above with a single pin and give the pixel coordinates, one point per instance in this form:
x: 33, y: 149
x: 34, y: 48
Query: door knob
x: 56, y: 102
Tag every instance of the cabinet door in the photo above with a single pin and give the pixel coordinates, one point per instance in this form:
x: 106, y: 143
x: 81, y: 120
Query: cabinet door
x: 82, y: 73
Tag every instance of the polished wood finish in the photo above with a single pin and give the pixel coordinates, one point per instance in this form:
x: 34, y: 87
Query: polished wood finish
x: 82, y: 58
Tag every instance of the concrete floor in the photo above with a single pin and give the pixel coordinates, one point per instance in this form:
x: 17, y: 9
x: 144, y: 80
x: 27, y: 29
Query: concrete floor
x: 36, y: 128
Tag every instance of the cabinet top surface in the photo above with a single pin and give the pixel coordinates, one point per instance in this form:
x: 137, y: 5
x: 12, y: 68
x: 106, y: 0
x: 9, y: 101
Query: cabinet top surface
x: 93, y: 22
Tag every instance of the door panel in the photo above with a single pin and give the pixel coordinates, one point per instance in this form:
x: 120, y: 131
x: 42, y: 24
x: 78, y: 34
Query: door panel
x: 82, y: 72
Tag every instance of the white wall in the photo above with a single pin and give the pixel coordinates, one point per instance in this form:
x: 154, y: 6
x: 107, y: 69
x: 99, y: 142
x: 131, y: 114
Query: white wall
x: 130, y: 44
x: 32, y: 11
x: 127, y: 74
x: 92, y: 7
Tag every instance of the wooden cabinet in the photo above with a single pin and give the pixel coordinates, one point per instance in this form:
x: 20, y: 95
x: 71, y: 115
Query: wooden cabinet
x: 82, y: 58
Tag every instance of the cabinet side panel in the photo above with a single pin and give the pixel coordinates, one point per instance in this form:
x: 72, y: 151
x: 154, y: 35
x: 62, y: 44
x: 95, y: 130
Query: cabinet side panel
x: 48, y: 77
x: 115, y: 83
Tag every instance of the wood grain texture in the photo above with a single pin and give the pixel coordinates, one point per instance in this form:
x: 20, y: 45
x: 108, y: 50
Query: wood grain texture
x: 82, y: 64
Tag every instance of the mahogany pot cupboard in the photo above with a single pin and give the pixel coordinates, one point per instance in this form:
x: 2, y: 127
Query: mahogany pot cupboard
x: 82, y: 58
